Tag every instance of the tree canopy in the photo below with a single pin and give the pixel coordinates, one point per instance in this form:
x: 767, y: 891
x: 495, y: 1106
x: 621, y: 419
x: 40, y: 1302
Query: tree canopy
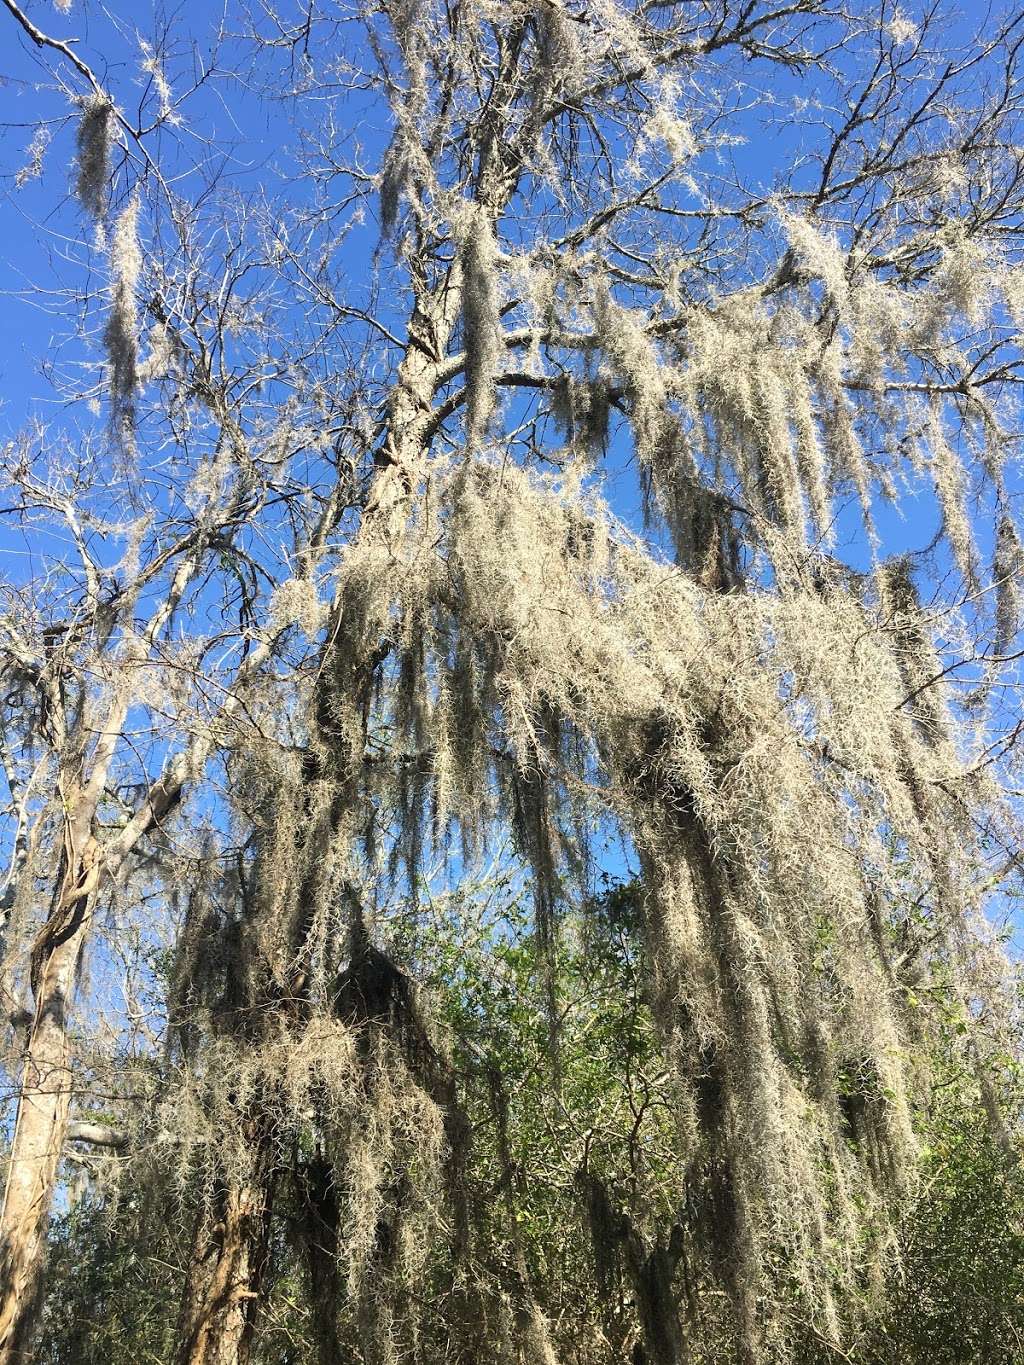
x: 510, y: 723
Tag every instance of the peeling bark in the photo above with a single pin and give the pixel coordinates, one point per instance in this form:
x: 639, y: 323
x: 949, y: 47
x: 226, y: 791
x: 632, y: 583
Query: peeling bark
x: 39, y: 1134
x: 47, y: 1081
x: 226, y: 1273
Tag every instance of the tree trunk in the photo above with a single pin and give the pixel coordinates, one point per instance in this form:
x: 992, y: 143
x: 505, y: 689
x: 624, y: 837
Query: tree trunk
x: 226, y: 1274
x: 44, y: 1100
x: 221, y: 1294
x: 318, y: 1239
x: 39, y: 1134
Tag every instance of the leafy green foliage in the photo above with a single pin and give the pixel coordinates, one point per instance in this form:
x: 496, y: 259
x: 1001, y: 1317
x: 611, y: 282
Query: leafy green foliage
x: 572, y: 1209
